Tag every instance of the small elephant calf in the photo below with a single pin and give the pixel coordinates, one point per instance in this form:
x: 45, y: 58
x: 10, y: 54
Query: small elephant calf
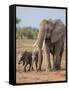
x: 28, y: 58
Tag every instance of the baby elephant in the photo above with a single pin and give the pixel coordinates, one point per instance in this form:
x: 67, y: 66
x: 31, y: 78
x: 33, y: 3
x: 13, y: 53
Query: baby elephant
x: 35, y: 59
x: 28, y: 58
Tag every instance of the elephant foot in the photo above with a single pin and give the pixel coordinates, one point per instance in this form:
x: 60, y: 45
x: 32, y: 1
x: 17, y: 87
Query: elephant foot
x: 32, y: 69
x: 28, y: 69
x: 57, y: 67
x: 49, y: 68
x: 54, y: 68
x: 39, y: 69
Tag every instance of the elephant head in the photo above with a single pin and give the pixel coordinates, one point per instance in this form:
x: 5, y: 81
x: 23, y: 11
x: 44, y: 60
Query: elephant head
x: 55, y: 30
x: 50, y: 29
x: 22, y: 58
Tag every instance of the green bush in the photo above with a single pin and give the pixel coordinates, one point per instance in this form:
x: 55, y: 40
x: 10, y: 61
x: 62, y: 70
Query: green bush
x: 26, y: 32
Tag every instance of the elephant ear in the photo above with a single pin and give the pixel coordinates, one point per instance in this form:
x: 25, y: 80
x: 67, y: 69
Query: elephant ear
x: 58, y: 31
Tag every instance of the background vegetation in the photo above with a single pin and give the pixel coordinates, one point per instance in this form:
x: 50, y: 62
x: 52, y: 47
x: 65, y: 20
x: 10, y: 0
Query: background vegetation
x: 25, y: 32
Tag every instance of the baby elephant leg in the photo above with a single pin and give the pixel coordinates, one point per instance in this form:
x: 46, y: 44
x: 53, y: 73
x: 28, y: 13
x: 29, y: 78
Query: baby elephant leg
x: 25, y: 67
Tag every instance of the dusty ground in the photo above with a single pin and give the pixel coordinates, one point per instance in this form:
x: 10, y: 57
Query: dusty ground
x: 33, y: 76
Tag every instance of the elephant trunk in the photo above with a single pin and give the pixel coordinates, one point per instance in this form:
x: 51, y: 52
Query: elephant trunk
x: 41, y: 34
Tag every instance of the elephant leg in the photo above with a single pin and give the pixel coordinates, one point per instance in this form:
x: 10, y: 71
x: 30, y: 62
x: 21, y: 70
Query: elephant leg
x: 54, y: 58
x: 32, y: 62
x: 36, y: 65
x: 60, y: 62
x: 58, y: 52
x: 49, y: 63
x: 57, y: 58
x: 48, y: 57
x: 61, y: 56
x: 25, y: 67
x: 57, y: 63
x: 29, y: 67
x: 39, y: 59
x: 32, y: 68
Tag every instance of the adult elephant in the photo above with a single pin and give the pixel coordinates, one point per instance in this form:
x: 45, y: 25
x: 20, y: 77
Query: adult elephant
x: 53, y: 32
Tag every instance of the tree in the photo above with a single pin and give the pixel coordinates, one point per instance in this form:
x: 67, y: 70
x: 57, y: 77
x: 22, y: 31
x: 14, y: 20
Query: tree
x: 17, y: 20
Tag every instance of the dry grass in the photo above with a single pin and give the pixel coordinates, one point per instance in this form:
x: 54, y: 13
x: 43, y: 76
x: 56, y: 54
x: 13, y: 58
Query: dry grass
x: 33, y: 76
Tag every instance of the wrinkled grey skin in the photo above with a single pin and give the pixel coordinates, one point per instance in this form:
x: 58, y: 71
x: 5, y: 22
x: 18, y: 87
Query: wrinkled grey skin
x: 54, y: 36
x: 29, y: 58
x: 54, y: 40
x: 26, y: 59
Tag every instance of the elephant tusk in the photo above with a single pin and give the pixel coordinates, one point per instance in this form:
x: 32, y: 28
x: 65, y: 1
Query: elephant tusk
x: 35, y: 44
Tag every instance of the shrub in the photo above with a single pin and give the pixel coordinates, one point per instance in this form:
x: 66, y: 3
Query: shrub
x: 26, y: 32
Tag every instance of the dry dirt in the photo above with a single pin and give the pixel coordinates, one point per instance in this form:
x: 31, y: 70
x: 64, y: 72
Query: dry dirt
x: 33, y: 76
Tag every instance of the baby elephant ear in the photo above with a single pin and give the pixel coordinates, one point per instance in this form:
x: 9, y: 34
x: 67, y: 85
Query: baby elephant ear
x: 58, y: 32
